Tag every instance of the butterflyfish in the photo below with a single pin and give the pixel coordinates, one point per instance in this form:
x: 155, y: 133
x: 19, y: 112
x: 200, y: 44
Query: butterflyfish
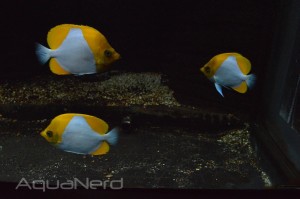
x: 77, y: 50
x: 80, y: 134
x: 229, y: 70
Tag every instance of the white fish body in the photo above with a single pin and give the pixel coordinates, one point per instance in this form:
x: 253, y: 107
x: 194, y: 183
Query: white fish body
x: 229, y: 73
x: 74, y: 55
x: 80, y: 138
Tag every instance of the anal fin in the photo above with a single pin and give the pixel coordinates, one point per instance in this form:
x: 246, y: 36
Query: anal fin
x: 103, y: 149
x: 244, y: 64
x: 242, y: 88
x: 56, y: 68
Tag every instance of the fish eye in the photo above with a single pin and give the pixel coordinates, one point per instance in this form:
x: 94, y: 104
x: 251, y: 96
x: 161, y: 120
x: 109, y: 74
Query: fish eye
x: 207, y: 69
x: 107, y: 53
x: 49, y: 134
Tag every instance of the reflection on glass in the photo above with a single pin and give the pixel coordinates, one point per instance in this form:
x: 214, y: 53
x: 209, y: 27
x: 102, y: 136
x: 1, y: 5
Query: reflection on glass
x: 291, y: 104
x: 296, y: 107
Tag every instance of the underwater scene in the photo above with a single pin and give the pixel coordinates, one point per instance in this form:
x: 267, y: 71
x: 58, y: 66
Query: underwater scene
x: 136, y: 94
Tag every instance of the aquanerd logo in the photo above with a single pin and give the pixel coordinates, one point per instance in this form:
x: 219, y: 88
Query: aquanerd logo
x: 70, y: 184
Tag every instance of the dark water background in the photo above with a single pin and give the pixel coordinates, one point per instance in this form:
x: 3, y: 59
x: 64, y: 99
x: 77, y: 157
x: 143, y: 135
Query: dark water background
x: 171, y: 37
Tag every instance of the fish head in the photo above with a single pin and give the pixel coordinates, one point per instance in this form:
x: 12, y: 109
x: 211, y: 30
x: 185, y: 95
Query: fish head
x: 53, y: 133
x: 211, y: 67
x: 50, y: 136
x: 207, y: 70
x: 110, y: 56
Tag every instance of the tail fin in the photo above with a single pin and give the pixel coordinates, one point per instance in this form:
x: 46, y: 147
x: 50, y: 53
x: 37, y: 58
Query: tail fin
x: 42, y: 53
x: 250, y: 81
x: 113, y: 136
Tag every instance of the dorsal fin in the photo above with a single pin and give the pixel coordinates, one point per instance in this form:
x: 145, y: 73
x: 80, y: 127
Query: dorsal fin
x: 56, y: 68
x: 233, y: 54
x: 103, y: 149
x: 58, y: 34
x: 96, y: 41
x: 244, y: 64
x: 242, y: 88
x: 96, y: 124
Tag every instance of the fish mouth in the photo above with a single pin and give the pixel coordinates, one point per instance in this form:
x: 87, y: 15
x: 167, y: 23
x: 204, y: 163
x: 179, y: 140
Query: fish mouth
x: 202, y: 69
x: 43, y: 133
x: 117, y: 56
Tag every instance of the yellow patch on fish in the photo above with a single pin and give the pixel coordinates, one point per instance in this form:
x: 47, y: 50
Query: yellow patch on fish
x: 80, y: 133
x: 229, y: 70
x: 76, y: 49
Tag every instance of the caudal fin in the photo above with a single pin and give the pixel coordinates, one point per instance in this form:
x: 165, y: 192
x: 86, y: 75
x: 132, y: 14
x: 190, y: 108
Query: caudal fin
x: 113, y: 136
x: 250, y: 81
x: 42, y: 53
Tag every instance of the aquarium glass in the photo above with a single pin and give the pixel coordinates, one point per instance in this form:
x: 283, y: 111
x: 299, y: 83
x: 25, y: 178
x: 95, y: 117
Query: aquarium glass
x: 290, y: 108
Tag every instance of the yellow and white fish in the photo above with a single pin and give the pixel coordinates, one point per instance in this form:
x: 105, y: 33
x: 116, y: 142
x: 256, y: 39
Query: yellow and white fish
x: 76, y: 49
x: 80, y: 133
x: 229, y: 70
